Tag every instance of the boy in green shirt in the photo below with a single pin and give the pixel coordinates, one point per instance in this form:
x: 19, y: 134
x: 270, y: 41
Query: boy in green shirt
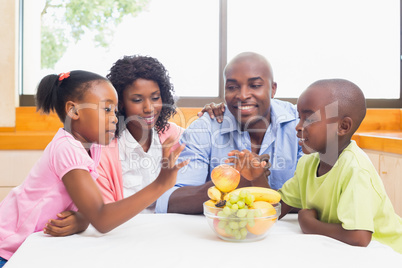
x: 335, y: 185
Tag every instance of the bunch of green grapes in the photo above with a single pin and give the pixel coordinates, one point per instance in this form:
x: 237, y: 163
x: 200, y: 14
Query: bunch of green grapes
x: 235, y: 215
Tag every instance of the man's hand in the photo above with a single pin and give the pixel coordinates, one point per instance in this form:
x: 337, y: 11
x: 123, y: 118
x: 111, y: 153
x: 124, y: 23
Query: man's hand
x: 250, y: 165
x: 265, y: 158
x: 69, y: 222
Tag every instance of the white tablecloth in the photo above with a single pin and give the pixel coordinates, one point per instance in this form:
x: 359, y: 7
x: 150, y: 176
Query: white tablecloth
x: 174, y: 240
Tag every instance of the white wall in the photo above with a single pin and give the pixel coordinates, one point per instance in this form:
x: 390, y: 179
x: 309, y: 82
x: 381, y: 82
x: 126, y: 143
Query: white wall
x: 8, y: 62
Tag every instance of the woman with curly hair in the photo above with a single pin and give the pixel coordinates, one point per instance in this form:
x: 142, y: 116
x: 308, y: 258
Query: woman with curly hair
x: 134, y: 75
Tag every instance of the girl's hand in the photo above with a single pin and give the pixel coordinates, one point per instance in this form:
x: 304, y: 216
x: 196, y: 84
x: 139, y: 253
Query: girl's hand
x: 250, y: 165
x: 69, y: 222
x: 214, y: 110
x: 169, y: 168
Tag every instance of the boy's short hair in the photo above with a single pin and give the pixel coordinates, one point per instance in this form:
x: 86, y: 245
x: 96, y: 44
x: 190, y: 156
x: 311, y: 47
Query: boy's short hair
x: 350, y: 98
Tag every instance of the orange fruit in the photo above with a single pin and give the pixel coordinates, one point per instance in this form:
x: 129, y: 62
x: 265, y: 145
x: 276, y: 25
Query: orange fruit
x: 262, y: 225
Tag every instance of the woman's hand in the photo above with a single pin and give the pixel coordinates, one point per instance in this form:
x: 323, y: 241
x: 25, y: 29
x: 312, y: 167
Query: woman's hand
x: 69, y: 222
x: 169, y: 168
x: 214, y: 110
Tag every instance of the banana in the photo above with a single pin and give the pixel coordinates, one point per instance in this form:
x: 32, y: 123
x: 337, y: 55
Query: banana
x: 259, y: 193
x: 210, y: 203
x: 214, y: 193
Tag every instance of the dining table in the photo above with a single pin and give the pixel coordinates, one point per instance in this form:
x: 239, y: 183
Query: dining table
x: 178, y: 240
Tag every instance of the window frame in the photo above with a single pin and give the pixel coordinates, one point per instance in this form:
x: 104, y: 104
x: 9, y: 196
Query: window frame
x: 29, y: 100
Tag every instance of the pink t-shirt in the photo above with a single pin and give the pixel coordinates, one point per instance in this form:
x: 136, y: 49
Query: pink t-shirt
x: 28, y: 207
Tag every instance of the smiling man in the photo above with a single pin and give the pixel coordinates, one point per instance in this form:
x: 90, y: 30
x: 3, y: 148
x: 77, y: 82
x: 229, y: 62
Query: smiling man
x: 253, y: 122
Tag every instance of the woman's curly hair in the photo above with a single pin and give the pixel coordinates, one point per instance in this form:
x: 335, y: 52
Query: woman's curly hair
x: 130, y: 68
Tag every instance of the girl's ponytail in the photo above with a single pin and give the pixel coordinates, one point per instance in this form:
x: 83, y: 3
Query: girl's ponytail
x: 46, y: 95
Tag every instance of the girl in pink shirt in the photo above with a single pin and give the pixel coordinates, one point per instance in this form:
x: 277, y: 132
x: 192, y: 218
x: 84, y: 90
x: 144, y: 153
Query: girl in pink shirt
x: 64, y: 177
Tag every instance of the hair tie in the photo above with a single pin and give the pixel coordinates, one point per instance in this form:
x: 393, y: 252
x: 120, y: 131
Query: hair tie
x: 62, y: 76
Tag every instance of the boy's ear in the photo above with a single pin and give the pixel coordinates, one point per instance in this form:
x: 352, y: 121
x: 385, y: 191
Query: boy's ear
x: 71, y: 110
x: 345, y: 126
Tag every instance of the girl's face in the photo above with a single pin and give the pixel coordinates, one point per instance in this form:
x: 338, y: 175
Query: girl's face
x: 97, y: 114
x: 142, y: 103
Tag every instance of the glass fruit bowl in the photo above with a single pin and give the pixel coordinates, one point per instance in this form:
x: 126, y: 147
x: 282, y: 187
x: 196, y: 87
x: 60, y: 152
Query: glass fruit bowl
x: 242, y: 225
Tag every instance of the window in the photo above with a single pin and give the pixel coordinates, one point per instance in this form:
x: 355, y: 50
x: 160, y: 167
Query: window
x: 183, y: 35
x: 309, y: 40
x: 305, y: 40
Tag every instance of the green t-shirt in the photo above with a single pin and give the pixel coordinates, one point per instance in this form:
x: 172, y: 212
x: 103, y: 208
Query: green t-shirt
x: 351, y: 193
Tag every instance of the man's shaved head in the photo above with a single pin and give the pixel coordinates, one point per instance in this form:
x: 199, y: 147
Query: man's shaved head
x: 252, y: 58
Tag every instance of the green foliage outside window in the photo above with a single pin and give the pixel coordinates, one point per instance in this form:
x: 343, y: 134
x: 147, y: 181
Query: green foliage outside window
x: 66, y: 21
